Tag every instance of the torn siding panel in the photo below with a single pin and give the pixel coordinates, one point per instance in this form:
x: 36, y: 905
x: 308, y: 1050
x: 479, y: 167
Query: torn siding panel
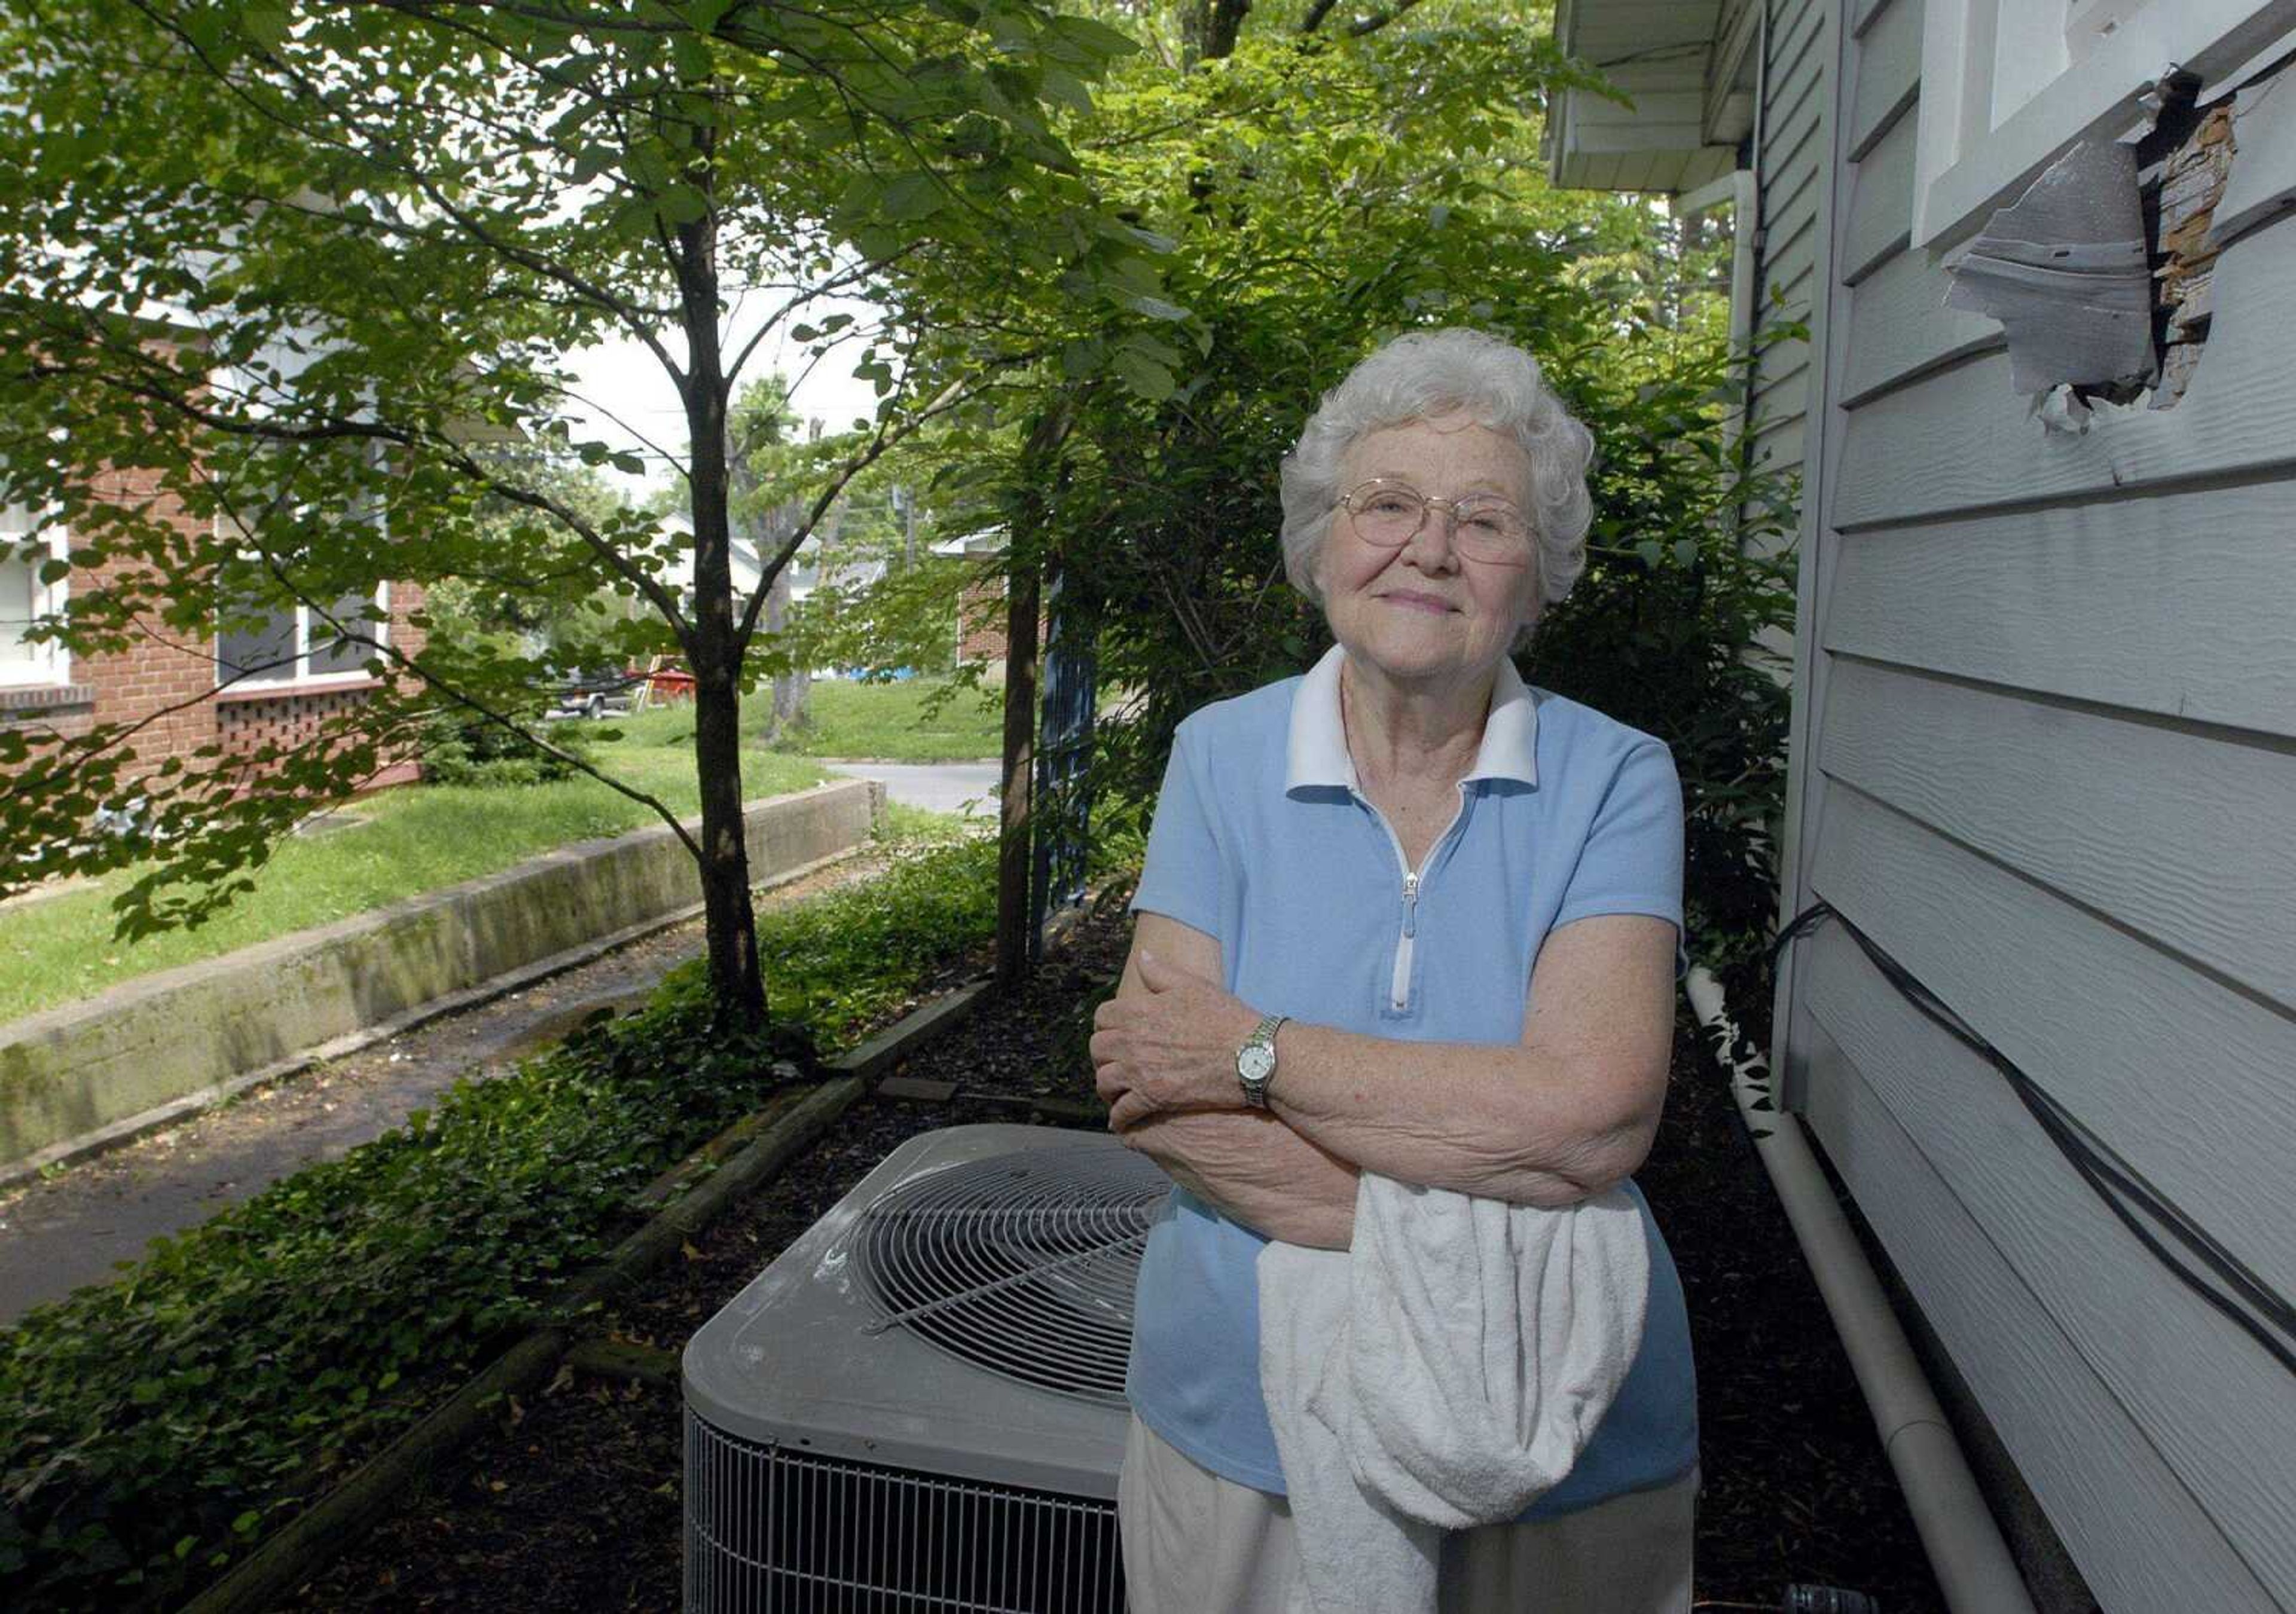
x: 2064, y: 269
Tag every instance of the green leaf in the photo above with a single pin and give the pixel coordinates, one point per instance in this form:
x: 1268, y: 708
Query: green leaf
x: 1156, y: 307
x: 1095, y: 41
x: 1080, y: 359
x: 266, y: 22
x: 1144, y: 375
x: 681, y: 204
x: 912, y: 196
x: 1066, y: 88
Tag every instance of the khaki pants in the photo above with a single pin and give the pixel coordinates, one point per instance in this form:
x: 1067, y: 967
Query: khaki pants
x: 1197, y: 1544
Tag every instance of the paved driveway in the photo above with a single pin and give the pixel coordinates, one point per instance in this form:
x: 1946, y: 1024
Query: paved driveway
x: 938, y: 787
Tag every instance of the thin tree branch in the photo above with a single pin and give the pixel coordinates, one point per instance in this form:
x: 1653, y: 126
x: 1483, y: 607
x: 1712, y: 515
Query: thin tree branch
x: 1379, y: 20
x: 886, y: 437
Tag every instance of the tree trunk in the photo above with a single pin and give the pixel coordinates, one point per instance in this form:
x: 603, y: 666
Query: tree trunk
x: 714, y: 649
x: 791, y: 688
x: 1013, y: 856
x: 1024, y: 544
x: 1208, y: 30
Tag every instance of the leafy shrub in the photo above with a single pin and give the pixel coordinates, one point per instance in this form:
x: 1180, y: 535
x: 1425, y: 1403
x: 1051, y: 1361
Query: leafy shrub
x: 153, y: 1430
x: 864, y: 949
x: 459, y: 748
x: 1672, y: 629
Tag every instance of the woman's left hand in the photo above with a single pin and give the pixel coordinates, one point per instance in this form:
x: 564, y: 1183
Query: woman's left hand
x: 1169, y: 1047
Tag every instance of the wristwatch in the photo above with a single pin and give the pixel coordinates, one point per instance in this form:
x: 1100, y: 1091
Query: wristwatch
x: 1255, y: 1061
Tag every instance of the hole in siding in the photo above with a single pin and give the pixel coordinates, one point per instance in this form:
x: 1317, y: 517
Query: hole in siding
x: 2183, y: 166
x: 2071, y: 318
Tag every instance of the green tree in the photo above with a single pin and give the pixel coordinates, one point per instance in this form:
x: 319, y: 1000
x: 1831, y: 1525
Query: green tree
x: 1330, y: 179
x: 358, y: 258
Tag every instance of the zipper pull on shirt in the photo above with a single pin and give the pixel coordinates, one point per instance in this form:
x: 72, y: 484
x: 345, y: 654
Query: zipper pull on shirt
x: 1398, y: 986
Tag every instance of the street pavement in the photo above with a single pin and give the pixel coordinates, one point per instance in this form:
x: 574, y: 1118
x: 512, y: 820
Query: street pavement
x: 968, y: 788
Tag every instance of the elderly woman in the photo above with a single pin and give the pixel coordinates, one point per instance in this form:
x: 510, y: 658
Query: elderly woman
x: 1404, y: 916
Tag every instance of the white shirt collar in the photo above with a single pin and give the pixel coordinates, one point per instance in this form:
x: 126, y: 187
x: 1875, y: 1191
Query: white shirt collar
x: 1317, y: 749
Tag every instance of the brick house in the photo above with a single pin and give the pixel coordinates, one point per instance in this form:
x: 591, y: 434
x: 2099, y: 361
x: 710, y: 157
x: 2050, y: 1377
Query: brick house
x: 980, y: 612
x: 181, y: 688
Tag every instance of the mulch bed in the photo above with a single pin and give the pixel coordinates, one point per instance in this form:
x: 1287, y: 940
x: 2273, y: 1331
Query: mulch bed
x: 573, y: 1505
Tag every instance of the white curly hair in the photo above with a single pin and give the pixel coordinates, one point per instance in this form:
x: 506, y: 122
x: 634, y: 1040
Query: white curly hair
x: 1426, y: 373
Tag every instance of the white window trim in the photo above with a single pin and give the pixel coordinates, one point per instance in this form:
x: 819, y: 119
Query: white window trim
x: 1963, y: 168
x: 50, y: 665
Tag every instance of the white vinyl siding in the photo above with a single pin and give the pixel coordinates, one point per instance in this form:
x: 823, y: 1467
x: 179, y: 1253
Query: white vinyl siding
x: 2047, y: 694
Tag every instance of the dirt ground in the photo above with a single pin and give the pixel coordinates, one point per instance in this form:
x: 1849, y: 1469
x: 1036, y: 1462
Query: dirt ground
x: 573, y: 1503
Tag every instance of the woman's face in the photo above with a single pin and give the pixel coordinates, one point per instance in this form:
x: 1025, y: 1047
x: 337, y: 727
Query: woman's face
x: 1425, y: 615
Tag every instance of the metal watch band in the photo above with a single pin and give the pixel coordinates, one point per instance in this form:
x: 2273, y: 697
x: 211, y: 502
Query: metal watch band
x: 1255, y: 1061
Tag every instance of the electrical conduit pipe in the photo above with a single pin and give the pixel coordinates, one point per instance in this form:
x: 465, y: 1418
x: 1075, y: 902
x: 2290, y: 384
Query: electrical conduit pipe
x: 1972, y: 1563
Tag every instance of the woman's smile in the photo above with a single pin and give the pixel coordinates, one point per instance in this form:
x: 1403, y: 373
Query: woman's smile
x: 1412, y: 600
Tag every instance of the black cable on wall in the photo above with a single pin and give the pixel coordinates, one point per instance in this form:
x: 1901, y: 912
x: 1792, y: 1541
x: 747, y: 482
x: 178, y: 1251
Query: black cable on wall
x: 2261, y: 1311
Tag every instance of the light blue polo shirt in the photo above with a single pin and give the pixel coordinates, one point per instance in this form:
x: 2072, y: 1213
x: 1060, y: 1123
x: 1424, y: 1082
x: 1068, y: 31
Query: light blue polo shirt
x: 1261, y: 841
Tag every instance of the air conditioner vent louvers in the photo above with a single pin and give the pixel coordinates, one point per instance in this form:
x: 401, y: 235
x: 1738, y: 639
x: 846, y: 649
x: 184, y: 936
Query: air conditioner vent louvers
x: 918, y: 1404
x: 1023, y: 1266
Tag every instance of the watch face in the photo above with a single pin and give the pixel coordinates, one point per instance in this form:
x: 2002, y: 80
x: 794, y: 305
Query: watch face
x: 1256, y: 1063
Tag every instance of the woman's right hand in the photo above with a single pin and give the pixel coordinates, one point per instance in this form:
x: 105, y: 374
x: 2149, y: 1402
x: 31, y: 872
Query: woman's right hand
x: 1256, y: 1170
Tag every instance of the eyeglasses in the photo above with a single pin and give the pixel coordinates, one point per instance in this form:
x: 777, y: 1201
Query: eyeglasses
x: 1389, y: 514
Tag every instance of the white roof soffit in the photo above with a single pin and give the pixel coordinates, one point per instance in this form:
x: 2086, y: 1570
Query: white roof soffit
x: 1659, y: 53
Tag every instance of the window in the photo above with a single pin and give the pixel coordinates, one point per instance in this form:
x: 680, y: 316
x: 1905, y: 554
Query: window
x: 263, y: 642
x: 295, y: 645
x: 2007, y: 86
x: 27, y: 545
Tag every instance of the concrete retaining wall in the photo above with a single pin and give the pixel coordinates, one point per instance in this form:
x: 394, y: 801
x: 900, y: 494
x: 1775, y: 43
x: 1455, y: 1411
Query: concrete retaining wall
x: 70, y: 1073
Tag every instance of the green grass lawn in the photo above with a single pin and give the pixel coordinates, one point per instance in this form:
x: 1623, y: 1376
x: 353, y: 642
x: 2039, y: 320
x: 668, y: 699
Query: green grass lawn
x: 891, y: 723
x: 416, y: 840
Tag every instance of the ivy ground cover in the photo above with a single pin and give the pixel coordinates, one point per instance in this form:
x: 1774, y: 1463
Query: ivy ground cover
x: 152, y: 1431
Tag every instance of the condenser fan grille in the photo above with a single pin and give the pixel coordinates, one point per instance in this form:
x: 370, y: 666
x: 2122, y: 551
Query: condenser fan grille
x: 1022, y: 1266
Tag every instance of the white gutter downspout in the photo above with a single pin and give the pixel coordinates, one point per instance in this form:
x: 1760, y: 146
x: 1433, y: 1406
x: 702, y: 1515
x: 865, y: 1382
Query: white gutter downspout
x: 1972, y: 1563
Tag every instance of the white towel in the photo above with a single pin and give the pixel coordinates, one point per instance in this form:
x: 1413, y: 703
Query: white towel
x: 1442, y: 1372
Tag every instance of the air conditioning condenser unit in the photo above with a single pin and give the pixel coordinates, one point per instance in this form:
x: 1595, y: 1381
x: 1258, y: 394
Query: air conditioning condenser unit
x: 919, y: 1404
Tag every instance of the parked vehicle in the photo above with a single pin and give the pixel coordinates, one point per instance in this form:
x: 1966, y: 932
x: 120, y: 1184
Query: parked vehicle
x: 594, y: 693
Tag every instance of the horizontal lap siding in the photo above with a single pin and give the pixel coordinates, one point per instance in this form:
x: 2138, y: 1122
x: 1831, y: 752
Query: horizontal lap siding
x: 1901, y: 327
x: 1799, y: 44
x: 2175, y: 604
x: 2151, y: 825
x: 2144, y: 1541
x: 1889, y: 72
x: 2050, y: 766
x: 2181, y: 1075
